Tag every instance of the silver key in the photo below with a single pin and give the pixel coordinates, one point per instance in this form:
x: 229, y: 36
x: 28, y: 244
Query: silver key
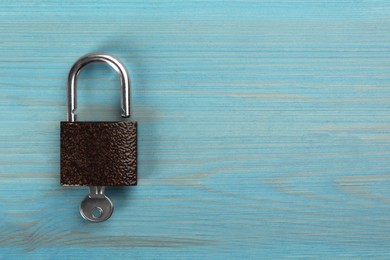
x: 96, y: 207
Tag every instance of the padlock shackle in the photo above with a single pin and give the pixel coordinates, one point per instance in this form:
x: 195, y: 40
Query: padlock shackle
x: 78, y: 67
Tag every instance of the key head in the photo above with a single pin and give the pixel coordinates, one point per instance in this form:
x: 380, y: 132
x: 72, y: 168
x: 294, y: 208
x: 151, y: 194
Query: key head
x: 96, y: 209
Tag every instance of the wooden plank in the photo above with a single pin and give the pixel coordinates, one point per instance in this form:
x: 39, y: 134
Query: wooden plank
x: 263, y: 128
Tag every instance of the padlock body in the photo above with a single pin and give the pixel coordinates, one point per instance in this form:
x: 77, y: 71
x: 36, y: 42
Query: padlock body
x: 99, y: 153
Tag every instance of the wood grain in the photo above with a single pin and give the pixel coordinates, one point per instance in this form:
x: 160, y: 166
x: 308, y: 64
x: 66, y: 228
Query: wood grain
x: 263, y: 126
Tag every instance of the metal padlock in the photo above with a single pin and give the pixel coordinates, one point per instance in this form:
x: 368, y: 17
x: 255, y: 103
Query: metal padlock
x: 98, y: 154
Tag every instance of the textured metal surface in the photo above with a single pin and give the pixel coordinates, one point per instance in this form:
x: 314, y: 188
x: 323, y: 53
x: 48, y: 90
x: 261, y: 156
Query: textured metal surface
x: 99, y: 153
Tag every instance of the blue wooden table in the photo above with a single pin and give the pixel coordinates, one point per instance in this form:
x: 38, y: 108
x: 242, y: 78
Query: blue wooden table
x: 264, y: 128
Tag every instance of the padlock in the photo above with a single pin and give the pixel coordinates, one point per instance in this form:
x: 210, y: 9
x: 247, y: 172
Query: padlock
x: 98, y: 154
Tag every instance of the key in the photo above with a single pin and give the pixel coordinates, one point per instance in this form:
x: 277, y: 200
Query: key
x: 96, y: 207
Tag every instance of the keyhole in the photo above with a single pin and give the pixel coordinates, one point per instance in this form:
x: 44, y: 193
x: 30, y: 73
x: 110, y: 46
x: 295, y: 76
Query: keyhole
x: 97, y: 212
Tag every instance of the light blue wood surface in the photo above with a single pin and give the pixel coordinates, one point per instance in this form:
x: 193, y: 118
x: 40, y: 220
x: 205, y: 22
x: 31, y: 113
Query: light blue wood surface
x: 264, y: 128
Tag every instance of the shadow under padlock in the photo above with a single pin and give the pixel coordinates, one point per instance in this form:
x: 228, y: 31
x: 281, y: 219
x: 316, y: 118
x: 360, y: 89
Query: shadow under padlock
x: 98, y: 153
